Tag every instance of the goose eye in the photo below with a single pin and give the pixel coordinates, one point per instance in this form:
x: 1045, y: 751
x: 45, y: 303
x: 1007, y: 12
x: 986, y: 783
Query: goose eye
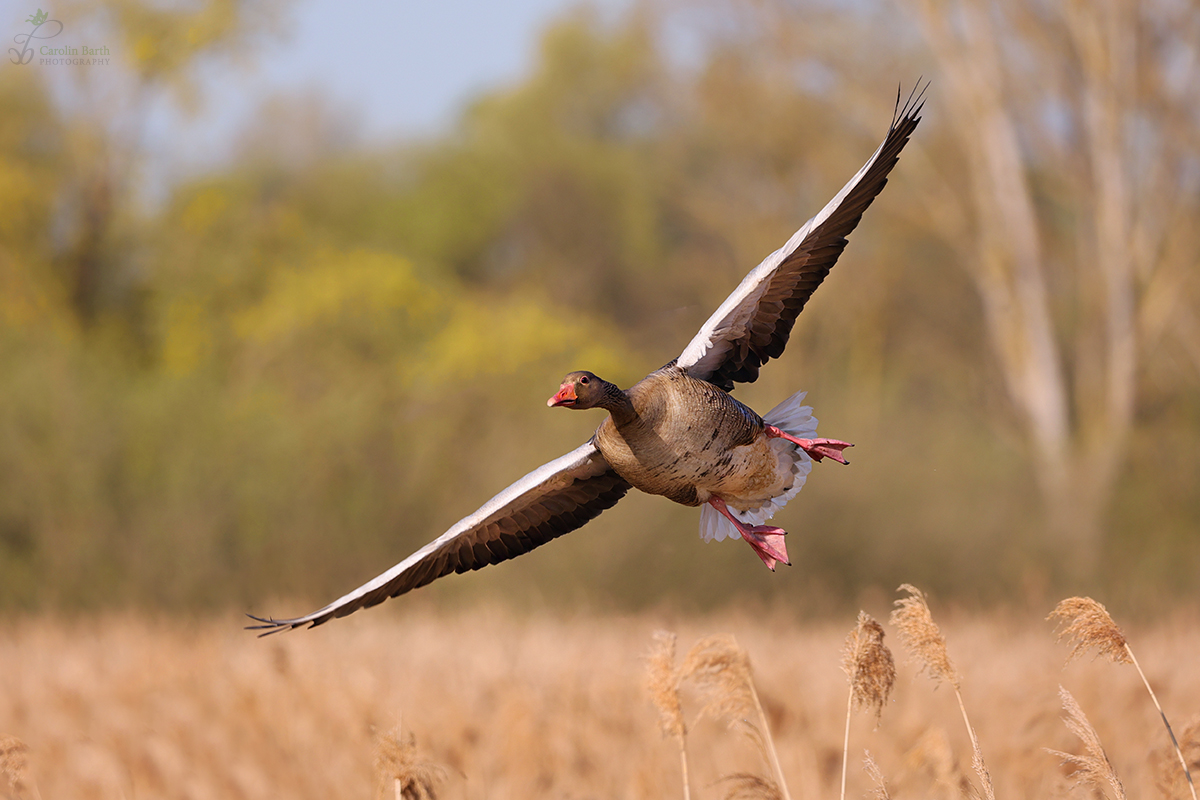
x: 584, y: 380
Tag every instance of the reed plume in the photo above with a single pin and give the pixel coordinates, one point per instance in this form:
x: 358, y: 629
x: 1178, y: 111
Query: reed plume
x: 14, y: 767
x: 871, y: 670
x: 922, y: 636
x: 747, y: 786
x: 662, y: 681
x: 721, y: 668
x: 1092, y: 769
x: 933, y: 755
x: 1086, y: 625
x: 413, y: 777
x: 1167, y: 778
x: 880, y: 792
x: 924, y: 640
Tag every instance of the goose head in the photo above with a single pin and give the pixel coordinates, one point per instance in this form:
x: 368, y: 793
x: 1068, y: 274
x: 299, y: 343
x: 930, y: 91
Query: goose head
x: 581, y: 390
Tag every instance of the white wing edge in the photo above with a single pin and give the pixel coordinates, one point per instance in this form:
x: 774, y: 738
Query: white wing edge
x: 578, y: 457
x: 745, y: 297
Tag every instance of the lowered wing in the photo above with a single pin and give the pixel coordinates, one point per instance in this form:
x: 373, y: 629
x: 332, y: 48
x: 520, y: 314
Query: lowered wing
x: 554, y: 499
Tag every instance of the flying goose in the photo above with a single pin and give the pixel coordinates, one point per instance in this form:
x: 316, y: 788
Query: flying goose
x: 677, y: 432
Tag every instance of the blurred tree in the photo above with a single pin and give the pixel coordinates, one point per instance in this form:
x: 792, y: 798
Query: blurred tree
x: 162, y: 48
x: 554, y: 183
x: 32, y: 141
x: 1067, y: 143
x: 71, y: 144
x: 292, y: 371
x: 1080, y: 144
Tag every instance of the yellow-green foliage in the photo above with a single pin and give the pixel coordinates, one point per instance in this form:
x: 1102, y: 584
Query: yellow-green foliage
x: 287, y: 373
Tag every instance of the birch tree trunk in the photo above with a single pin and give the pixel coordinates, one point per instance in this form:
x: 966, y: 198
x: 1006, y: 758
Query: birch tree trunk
x: 1101, y: 71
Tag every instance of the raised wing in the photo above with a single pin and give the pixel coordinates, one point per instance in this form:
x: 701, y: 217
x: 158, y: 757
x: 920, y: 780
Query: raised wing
x: 753, y: 324
x: 554, y: 499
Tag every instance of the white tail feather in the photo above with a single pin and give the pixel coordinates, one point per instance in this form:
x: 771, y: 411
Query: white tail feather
x: 713, y: 525
x: 794, y: 418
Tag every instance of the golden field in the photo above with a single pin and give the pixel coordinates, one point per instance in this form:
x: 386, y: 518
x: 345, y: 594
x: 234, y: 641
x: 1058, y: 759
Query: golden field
x: 274, y: 364
x: 550, y: 706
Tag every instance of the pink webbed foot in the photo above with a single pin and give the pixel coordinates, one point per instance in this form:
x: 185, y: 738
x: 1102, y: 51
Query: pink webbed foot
x: 768, y: 544
x: 816, y: 448
x: 767, y: 541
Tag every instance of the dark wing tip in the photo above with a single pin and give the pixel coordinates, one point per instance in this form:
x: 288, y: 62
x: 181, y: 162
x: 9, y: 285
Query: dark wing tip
x: 816, y: 254
x: 271, y: 625
x: 912, y: 106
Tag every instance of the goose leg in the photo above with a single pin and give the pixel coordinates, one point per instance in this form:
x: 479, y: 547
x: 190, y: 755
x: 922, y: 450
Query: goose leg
x: 816, y: 448
x: 766, y: 540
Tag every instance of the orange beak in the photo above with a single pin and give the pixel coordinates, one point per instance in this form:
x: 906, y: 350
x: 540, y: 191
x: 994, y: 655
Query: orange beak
x: 565, y: 397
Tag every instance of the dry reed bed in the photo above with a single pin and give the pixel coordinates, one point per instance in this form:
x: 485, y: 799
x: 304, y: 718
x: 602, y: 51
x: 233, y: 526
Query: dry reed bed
x: 545, y: 707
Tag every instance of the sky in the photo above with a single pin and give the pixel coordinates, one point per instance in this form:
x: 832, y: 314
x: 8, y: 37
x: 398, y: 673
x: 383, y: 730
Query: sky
x: 409, y: 64
x: 395, y: 68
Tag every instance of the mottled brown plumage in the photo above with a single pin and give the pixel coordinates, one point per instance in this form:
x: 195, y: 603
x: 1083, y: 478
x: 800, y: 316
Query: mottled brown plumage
x: 674, y: 435
x: 686, y: 440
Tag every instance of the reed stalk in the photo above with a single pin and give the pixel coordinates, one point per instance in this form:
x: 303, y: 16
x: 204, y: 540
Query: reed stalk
x: 871, y: 671
x: 924, y: 639
x: 1086, y: 625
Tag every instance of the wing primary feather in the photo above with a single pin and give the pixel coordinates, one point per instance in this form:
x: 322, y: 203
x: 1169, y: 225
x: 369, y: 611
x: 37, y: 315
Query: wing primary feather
x: 554, y: 499
x: 754, y: 323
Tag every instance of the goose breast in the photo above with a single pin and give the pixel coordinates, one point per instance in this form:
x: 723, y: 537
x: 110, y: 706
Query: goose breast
x: 690, y: 440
